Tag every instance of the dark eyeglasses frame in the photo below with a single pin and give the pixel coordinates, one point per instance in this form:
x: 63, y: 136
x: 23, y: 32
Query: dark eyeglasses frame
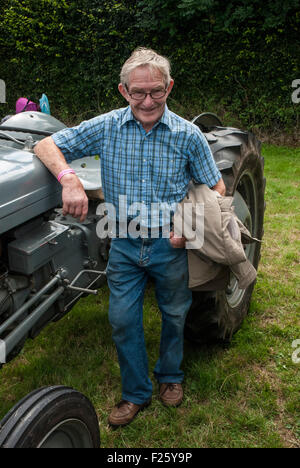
x: 145, y: 94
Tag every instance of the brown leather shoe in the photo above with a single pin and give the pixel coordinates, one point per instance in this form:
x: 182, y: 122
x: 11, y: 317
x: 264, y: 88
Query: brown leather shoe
x: 171, y: 394
x: 124, y: 412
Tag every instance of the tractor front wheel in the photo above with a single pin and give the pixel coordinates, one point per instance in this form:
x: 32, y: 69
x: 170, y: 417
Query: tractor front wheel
x: 51, y: 417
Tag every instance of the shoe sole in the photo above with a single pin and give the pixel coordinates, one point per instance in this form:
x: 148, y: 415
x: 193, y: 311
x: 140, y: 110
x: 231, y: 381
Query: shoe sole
x: 170, y: 405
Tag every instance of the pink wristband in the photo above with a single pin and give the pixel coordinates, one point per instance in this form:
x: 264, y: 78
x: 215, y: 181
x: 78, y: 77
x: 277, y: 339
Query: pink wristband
x: 64, y: 172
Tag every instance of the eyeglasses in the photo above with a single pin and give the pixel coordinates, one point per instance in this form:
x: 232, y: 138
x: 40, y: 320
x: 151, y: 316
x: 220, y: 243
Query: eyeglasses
x: 139, y: 96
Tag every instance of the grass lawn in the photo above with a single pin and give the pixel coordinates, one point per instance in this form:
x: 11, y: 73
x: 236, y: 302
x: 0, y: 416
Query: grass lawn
x: 245, y: 395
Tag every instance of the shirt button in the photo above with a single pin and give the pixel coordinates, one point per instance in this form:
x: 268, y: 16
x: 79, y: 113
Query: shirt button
x: 143, y: 180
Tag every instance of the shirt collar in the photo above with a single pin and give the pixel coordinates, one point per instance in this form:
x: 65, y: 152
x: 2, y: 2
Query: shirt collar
x: 127, y: 116
x: 165, y: 118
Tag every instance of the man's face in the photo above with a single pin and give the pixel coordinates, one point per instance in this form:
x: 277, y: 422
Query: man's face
x: 147, y: 111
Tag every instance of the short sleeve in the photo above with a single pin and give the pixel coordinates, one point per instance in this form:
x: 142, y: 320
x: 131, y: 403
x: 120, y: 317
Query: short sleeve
x: 202, y: 164
x: 80, y: 141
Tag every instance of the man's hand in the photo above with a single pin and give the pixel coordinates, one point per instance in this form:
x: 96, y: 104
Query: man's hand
x: 177, y: 242
x: 220, y: 187
x: 75, y: 201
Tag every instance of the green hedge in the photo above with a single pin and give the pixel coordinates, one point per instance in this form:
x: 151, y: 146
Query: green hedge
x: 238, y: 60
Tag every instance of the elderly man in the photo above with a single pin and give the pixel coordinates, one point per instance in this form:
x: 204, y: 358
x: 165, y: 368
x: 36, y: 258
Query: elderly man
x: 149, y: 154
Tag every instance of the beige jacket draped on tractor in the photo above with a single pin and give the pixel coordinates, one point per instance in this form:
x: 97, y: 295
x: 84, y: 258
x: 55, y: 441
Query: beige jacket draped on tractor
x: 215, y: 240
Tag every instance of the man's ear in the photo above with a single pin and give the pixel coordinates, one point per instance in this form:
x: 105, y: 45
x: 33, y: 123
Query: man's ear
x: 169, y: 88
x: 123, y: 91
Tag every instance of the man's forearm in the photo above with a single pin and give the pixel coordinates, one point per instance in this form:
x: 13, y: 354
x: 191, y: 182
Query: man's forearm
x: 50, y: 155
x: 75, y: 201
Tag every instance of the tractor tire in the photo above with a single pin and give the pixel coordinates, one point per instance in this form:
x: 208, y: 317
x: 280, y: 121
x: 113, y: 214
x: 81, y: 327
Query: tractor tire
x: 51, y: 417
x: 215, y: 316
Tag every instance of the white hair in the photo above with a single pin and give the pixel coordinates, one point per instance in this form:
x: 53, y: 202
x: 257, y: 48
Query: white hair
x: 143, y: 57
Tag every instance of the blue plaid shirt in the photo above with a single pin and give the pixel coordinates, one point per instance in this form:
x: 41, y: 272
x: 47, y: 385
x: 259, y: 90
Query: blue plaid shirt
x: 149, y: 169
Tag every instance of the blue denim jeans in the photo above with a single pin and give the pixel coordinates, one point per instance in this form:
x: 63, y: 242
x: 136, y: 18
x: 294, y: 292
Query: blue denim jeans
x: 131, y: 263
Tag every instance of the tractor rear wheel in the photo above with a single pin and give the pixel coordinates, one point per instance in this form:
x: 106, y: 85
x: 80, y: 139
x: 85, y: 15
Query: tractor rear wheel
x: 215, y: 316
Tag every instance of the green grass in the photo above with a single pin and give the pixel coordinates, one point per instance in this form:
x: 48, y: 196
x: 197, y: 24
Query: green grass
x: 245, y: 395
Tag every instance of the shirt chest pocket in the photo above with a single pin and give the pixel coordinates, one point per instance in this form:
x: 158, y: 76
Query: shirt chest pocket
x: 161, y: 167
x: 174, y: 168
